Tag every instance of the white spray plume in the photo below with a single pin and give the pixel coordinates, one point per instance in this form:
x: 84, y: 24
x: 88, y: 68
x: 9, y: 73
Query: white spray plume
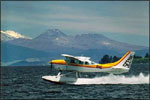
x: 115, y: 79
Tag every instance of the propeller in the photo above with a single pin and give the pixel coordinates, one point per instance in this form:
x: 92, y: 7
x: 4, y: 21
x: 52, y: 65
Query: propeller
x: 51, y: 66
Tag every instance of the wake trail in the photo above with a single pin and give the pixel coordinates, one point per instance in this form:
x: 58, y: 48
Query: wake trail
x: 115, y: 79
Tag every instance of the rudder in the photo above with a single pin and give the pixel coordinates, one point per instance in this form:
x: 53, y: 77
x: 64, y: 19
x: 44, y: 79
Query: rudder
x: 127, y: 60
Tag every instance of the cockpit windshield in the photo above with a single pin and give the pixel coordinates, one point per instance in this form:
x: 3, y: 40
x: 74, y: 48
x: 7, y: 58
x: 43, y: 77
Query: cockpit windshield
x: 72, y: 60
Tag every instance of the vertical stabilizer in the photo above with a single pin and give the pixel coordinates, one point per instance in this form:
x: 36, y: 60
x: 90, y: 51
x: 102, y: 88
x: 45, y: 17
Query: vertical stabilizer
x: 126, y: 60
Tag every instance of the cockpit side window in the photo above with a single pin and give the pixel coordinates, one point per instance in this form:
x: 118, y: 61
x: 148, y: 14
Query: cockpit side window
x: 67, y: 60
x: 72, y: 60
x: 92, y: 63
x: 86, y: 63
x: 76, y: 61
x: 80, y: 62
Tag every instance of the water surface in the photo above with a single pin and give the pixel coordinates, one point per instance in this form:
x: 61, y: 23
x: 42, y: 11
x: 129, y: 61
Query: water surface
x: 26, y: 83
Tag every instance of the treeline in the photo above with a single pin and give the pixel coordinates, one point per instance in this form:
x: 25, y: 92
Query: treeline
x: 137, y: 59
x: 108, y: 59
x: 140, y: 59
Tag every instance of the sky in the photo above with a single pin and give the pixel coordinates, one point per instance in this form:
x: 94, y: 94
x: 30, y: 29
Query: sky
x: 125, y: 21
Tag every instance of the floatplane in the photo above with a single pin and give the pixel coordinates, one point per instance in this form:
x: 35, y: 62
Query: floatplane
x: 78, y: 64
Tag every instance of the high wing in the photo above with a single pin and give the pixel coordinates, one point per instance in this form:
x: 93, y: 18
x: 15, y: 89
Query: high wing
x: 77, y: 58
x: 68, y: 56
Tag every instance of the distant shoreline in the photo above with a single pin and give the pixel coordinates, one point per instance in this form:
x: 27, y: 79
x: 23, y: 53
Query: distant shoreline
x: 134, y: 63
x: 141, y: 60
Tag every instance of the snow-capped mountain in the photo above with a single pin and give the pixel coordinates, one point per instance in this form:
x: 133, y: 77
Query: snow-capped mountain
x: 50, y: 34
x: 11, y: 35
x: 52, y: 43
x: 54, y: 39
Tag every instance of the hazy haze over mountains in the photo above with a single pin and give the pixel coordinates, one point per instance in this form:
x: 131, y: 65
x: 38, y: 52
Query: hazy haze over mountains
x: 53, y: 42
x: 55, y: 39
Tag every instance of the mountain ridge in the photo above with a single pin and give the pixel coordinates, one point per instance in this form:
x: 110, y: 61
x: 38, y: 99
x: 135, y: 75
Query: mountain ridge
x: 53, y: 39
x: 52, y: 43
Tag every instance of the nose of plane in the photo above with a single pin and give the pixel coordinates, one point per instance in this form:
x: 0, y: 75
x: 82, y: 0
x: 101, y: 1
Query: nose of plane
x: 57, y: 62
x: 52, y: 61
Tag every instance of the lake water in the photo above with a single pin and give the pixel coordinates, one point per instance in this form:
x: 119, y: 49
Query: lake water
x: 26, y: 83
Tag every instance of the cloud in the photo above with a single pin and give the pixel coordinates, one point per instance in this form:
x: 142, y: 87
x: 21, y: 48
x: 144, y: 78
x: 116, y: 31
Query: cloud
x: 81, y: 19
x: 100, y: 23
x: 88, y: 23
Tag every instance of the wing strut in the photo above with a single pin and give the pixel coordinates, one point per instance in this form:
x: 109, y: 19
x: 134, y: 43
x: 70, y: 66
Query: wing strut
x: 78, y: 75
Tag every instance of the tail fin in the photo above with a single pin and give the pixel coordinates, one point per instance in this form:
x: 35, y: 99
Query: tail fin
x: 126, y: 60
